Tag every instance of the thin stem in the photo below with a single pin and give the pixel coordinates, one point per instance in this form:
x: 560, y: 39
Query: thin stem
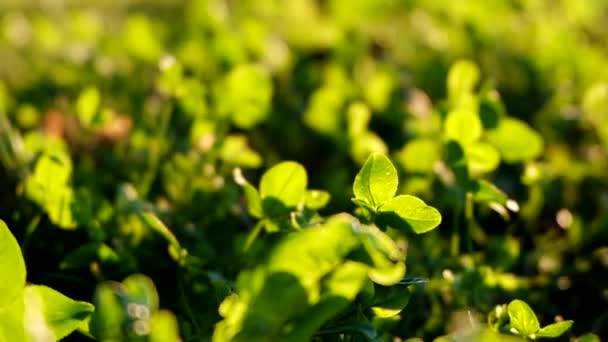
x: 455, y: 242
x: 253, y: 235
x: 470, y: 218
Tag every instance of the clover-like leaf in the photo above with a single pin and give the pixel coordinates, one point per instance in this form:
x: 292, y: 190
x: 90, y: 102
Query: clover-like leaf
x: 317, y: 199
x: 515, y: 140
x: 420, y: 155
x: 12, y: 267
x: 284, y: 182
x: 481, y: 158
x: 254, y: 201
x: 62, y: 315
x: 408, y: 212
x: 555, y: 329
x: 377, y: 181
x: 463, y: 126
x: 390, y: 301
x: 462, y: 78
x: 522, y: 318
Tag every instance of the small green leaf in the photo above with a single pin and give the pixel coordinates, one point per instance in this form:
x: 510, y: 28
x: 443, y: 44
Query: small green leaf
x: 107, y: 321
x: 382, y: 255
x: 245, y: 95
x: 157, y: 225
x: 406, y: 211
x: 87, y: 105
x: 285, y: 181
x: 377, y: 180
x: 463, y: 126
x: 254, y: 201
x: 62, y: 314
x: 522, y: 318
x: 555, y: 329
x: 390, y: 301
x: 481, y: 158
x: 419, y: 155
x: 366, y: 143
x: 358, y: 118
x: 141, y: 290
x: 164, y: 328
x: 317, y: 199
x: 515, y: 140
x: 486, y: 192
x: 462, y: 78
x: 12, y: 267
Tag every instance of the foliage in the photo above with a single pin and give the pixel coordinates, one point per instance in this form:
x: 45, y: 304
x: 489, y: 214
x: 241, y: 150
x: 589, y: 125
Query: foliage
x: 214, y: 170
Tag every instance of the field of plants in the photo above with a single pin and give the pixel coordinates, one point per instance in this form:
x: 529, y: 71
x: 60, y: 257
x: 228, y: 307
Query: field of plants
x: 303, y: 170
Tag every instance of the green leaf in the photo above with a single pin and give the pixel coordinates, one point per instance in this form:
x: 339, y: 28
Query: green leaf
x: 311, y: 253
x: 164, y: 327
x: 377, y: 180
x: 358, y: 118
x: 481, y: 158
x: 11, y: 321
x: 62, y: 314
x: 87, y: 105
x: 236, y: 151
x: 382, y: 255
x: 245, y: 95
x: 486, y: 192
x: 555, y: 329
x: 141, y: 290
x: 12, y: 267
x: 463, y: 126
x: 390, y: 301
x: 408, y: 212
x: 588, y: 338
x: 419, y: 155
x: 515, y: 140
x: 156, y: 224
x: 254, y: 201
x: 317, y: 199
x: 109, y: 316
x: 462, y: 79
x: 522, y: 318
x: 366, y: 143
x: 284, y: 183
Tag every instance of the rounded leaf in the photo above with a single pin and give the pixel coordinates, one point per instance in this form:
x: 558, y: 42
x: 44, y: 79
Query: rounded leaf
x: 406, y: 211
x: 285, y: 182
x: 62, y: 315
x: 463, y: 126
x: 481, y: 158
x: 522, y: 318
x: 420, y: 155
x: 555, y: 329
x: 516, y: 141
x: 377, y: 180
x: 12, y: 266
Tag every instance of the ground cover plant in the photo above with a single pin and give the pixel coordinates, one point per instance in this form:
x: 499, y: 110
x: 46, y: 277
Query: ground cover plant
x: 303, y: 170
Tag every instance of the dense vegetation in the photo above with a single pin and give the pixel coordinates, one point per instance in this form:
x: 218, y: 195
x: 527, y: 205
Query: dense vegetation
x: 362, y: 170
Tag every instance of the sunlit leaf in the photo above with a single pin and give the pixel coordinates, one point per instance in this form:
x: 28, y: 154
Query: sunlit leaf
x: 12, y: 266
x: 61, y: 314
x: 284, y: 183
x: 555, y: 329
x: 463, y: 126
x: 406, y: 212
x: 377, y: 180
x: 515, y: 140
x: 522, y: 318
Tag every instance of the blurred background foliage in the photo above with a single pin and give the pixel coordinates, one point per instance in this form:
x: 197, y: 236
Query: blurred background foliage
x: 112, y: 111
